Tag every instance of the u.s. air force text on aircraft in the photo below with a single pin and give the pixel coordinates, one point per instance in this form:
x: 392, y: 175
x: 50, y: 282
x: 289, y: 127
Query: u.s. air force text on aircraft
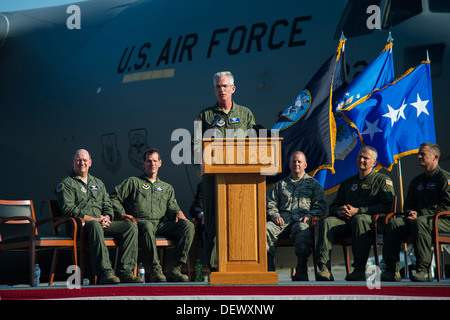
x: 227, y: 309
x: 240, y: 39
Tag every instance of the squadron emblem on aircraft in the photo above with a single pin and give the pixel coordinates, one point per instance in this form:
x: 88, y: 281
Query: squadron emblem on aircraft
x: 111, y: 158
x: 138, y: 145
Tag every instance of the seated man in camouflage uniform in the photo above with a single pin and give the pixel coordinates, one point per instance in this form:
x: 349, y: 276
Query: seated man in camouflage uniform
x: 83, y: 196
x: 291, y: 204
x: 152, y: 203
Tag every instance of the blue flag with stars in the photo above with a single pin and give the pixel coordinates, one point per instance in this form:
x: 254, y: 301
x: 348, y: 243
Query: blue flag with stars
x: 377, y: 74
x: 307, y: 124
x: 397, y: 118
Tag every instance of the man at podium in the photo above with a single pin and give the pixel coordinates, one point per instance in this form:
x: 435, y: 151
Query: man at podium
x: 227, y: 119
x: 291, y: 204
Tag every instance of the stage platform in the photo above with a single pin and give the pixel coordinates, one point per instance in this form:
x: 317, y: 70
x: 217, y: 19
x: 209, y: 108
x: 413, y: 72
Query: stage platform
x: 285, y: 290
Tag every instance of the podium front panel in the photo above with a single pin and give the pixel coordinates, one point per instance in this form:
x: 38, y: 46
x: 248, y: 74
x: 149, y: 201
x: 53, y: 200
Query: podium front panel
x: 241, y: 214
x: 240, y: 166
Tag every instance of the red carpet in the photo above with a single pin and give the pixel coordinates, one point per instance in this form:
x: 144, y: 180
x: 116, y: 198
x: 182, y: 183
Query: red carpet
x: 193, y: 292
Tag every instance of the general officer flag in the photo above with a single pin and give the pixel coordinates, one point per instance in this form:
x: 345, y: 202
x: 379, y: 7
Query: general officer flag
x: 377, y: 74
x: 397, y: 118
x: 308, y: 123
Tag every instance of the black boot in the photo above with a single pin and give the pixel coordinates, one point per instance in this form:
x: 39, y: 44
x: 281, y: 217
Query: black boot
x: 270, y: 263
x: 301, y: 272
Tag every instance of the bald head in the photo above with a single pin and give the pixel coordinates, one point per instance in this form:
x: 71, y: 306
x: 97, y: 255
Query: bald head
x: 81, y: 163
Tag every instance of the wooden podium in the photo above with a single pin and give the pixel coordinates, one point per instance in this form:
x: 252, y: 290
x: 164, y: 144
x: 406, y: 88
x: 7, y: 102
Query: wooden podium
x: 240, y: 166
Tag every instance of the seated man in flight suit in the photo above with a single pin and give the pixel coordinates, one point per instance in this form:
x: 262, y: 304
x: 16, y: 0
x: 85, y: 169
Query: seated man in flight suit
x: 152, y: 203
x: 359, y: 197
x: 82, y: 195
x: 428, y: 194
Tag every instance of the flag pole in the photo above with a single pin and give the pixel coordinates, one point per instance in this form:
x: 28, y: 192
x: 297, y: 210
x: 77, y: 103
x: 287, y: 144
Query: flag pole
x: 400, y: 183
x: 390, y: 39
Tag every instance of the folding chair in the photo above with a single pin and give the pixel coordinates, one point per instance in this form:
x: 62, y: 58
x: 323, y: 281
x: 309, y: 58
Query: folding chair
x: 20, y: 213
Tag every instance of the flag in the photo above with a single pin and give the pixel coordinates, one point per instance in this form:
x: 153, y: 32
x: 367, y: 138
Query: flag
x: 308, y: 123
x: 397, y: 118
x: 377, y: 74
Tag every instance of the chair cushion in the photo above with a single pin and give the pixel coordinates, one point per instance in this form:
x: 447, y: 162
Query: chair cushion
x: 38, y: 238
x: 444, y: 234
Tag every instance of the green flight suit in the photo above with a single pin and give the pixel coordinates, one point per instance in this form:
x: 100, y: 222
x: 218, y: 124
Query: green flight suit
x: 154, y: 207
x: 373, y: 194
x: 77, y: 199
x: 427, y: 195
x: 239, y: 119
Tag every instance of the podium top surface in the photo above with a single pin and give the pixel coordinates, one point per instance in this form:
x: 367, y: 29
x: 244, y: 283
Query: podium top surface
x: 241, y: 155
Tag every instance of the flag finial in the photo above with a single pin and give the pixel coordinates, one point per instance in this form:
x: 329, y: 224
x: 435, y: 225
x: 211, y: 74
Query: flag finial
x: 390, y: 39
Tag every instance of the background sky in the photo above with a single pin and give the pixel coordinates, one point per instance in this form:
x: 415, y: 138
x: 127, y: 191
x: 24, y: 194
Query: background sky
x: 16, y: 5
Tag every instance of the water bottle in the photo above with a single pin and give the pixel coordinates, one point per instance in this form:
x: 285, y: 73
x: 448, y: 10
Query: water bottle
x: 198, y: 271
x: 141, y: 271
x: 37, y: 275
x: 382, y: 266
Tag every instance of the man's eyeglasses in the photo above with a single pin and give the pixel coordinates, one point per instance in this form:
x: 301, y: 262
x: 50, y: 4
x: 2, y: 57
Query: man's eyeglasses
x: 225, y: 86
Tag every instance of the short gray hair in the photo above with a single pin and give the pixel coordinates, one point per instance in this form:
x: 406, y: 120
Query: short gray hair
x: 369, y: 148
x: 433, y: 147
x: 222, y: 74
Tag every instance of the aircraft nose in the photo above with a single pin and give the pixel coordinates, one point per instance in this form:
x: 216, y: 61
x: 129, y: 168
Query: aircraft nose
x: 4, y: 28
